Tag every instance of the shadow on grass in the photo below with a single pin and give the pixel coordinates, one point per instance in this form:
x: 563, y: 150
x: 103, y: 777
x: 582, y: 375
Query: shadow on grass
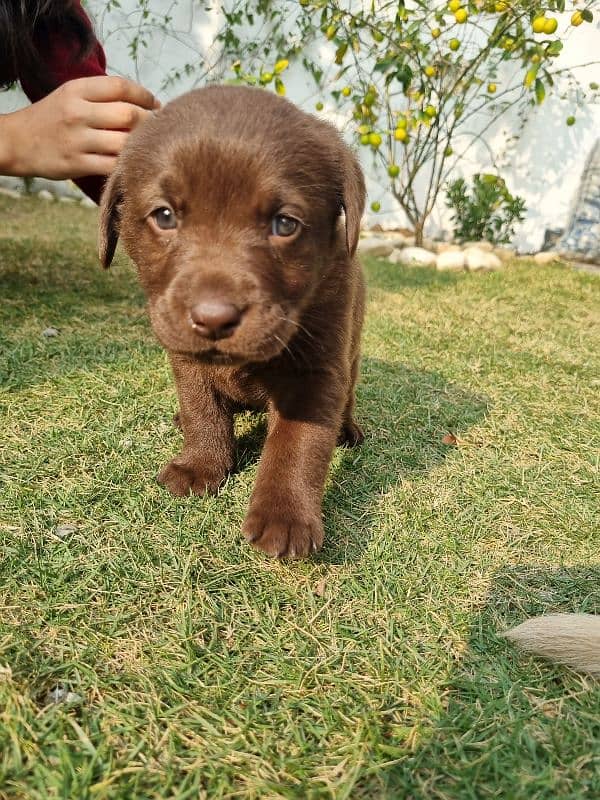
x: 100, y: 316
x: 513, y: 726
x: 405, y: 414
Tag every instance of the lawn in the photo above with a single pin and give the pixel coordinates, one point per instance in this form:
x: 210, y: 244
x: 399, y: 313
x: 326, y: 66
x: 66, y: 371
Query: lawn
x: 198, y: 668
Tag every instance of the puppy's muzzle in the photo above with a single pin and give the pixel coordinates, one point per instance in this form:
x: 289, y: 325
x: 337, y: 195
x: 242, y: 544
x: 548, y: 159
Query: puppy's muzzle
x: 215, y: 318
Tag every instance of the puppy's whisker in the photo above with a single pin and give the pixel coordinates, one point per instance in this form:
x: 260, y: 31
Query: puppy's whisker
x: 298, y: 325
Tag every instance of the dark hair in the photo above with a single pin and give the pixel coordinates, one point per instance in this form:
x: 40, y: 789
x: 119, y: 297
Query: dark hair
x: 24, y: 23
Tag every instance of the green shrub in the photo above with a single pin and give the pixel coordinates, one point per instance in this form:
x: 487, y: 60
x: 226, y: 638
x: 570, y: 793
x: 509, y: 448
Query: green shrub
x: 489, y: 211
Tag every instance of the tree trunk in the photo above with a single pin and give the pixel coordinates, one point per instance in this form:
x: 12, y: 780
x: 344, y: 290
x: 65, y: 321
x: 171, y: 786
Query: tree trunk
x: 419, y: 232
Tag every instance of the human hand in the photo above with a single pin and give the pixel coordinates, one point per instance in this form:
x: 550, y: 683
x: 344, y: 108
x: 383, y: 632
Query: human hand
x: 79, y: 129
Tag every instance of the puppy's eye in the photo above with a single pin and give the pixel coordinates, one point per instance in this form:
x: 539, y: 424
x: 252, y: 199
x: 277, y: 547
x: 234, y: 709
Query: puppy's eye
x: 282, y: 225
x: 164, y: 218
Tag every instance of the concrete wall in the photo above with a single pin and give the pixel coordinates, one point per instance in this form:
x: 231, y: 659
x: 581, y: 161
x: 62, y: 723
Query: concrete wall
x: 544, y: 166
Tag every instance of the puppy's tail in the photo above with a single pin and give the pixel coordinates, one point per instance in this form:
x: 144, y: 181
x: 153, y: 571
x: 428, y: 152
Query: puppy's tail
x: 570, y: 639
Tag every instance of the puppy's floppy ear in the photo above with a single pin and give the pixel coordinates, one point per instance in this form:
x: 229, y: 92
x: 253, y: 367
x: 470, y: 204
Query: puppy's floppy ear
x: 108, y: 233
x: 353, y: 197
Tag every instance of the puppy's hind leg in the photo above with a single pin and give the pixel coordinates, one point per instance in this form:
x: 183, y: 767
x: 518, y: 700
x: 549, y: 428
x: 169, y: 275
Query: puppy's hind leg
x: 351, y: 434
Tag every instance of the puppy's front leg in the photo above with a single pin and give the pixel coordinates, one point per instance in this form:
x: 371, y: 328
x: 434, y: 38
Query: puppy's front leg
x: 207, y: 424
x: 284, y: 518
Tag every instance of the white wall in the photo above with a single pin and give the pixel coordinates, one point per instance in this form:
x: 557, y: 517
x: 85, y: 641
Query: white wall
x: 544, y: 166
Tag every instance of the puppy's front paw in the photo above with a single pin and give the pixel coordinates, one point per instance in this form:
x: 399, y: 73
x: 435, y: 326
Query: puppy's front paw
x: 281, y: 533
x: 184, y: 477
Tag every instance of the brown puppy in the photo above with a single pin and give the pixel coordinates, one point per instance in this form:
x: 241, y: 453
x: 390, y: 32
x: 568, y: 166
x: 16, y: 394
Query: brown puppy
x: 229, y: 200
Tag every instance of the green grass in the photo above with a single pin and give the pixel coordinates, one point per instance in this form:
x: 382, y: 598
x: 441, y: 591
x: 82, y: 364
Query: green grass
x: 373, y: 671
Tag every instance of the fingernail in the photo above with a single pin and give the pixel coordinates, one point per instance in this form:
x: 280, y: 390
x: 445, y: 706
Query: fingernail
x: 157, y: 103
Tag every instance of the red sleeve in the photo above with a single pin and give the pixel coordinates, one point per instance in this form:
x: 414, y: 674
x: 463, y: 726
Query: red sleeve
x: 59, y: 53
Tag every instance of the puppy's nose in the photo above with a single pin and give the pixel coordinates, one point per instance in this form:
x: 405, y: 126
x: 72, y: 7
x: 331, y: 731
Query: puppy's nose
x: 215, y: 318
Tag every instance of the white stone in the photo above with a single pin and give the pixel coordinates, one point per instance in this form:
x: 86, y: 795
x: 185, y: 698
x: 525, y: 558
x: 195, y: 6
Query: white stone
x: 61, y: 695
x: 375, y: 246
x: 546, y: 257
x: 11, y: 193
x: 451, y: 260
x: 415, y: 256
x: 63, y: 531
x: 505, y: 253
x: 478, y: 259
x: 87, y: 202
x: 447, y: 247
x: 482, y: 245
x: 49, y: 333
x: 44, y: 194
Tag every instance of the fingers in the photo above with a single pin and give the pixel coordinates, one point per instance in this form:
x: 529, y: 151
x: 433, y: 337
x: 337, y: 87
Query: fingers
x: 93, y: 164
x: 115, y: 116
x: 105, y: 142
x: 109, y: 88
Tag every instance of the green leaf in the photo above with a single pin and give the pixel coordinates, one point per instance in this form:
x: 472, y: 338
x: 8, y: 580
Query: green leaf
x: 340, y: 53
x: 554, y: 48
x: 540, y: 92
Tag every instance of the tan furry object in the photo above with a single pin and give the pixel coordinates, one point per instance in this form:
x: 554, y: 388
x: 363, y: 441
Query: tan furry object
x: 570, y: 639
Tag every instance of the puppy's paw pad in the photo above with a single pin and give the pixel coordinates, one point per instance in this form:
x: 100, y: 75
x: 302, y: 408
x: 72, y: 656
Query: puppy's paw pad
x: 282, y: 536
x: 351, y: 434
x: 184, y: 479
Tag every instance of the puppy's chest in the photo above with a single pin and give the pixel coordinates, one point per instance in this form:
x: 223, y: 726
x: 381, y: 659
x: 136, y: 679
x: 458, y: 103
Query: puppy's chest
x: 241, y: 386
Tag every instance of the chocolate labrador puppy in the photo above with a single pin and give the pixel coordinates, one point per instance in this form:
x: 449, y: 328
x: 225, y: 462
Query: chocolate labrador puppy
x: 229, y: 200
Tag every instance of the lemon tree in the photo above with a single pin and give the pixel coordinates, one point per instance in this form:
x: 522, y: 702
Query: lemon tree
x: 411, y: 76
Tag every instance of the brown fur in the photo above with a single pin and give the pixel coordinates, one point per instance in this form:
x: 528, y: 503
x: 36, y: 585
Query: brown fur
x: 227, y: 160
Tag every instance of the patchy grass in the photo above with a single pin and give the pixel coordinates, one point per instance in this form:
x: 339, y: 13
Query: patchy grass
x: 373, y: 671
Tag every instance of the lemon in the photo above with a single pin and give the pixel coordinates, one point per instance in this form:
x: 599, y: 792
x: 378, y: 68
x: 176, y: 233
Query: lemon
x: 374, y: 139
x: 430, y: 71
x: 266, y: 77
x: 539, y: 25
x: 500, y: 7
x: 330, y: 32
x: 454, y: 44
x: 402, y: 122
x: 393, y: 170
x: 319, y: 106
x: 370, y: 98
x: 461, y: 16
x: 436, y: 33
x: 454, y: 5
x: 280, y: 66
x: 346, y: 91
x: 375, y: 206
x: 364, y: 129
x: 576, y: 19
x: 364, y: 139
x: 550, y: 25
x: 492, y: 88
x: 401, y: 135
x: 570, y: 121
x: 431, y: 111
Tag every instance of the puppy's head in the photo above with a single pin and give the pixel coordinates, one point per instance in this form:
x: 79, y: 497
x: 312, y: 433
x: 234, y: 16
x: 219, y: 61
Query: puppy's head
x: 229, y: 202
